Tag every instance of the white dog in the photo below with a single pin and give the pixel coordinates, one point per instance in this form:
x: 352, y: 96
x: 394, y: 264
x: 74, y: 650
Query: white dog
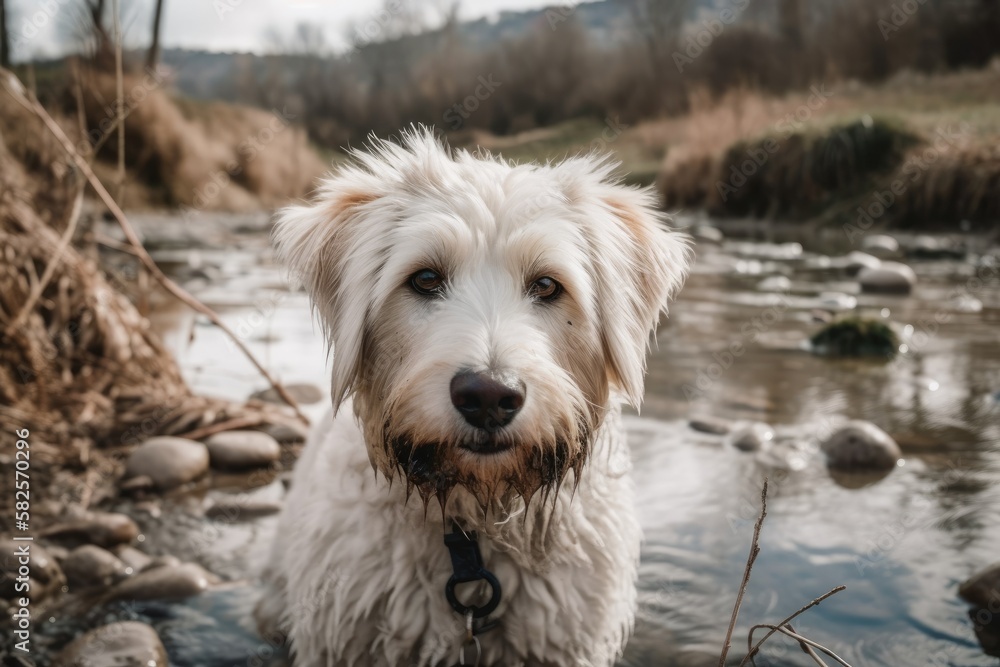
x: 487, y: 321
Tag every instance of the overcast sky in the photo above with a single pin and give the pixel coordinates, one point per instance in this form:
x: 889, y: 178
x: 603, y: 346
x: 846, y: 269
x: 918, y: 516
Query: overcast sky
x: 41, y: 28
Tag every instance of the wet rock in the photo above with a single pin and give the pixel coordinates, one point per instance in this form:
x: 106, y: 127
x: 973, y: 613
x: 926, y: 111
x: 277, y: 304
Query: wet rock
x: 133, y: 559
x: 170, y: 582
x: 889, y: 278
x: 241, y: 509
x: 91, y: 566
x: 286, y: 434
x: 855, y: 337
x: 242, y: 449
x: 880, y: 245
x: 123, y: 644
x: 710, y: 425
x: 707, y: 233
x: 137, y: 485
x: 162, y: 561
x: 854, y: 261
x: 302, y: 393
x: 752, y: 438
x: 105, y: 529
x: 983, y: 588
x: 44, y: 574
x: 932, y: 247
x: 775, y: 284
x: 860, y: 445
x: 168, y: 461
x: 837, y: 301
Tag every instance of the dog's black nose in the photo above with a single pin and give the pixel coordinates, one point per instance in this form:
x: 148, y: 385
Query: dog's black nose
x: 487, y: 401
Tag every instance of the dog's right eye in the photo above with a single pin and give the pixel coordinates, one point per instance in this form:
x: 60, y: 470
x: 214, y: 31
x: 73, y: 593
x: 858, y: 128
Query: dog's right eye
x: 427, y: 282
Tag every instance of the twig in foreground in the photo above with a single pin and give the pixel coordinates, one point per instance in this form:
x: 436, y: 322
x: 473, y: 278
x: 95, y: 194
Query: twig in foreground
x: 754, y: 550
x: 754, y: 649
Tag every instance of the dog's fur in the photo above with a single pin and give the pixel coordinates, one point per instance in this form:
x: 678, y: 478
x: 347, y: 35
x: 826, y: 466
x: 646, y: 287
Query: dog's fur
x: 358, y: 569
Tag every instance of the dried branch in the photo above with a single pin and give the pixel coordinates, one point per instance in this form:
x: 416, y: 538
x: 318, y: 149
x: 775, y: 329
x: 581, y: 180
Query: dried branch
x: 753, y: 649
x: 754, y: 551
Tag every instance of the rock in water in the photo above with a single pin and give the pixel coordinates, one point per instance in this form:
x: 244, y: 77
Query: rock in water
x: 242, y: 449
x: 889, y: 278
x: 169, y: 582
x: 168, y: 461
x: 44, y: 573
x: 983, y: 588
x: 124, y: 644
x: 91, y: 566
x: 105, y: 529
x: 855, y: 337
x: 860, y: 445
x: 752, y: 438
x: 710, y: 425
x: 880, y: 245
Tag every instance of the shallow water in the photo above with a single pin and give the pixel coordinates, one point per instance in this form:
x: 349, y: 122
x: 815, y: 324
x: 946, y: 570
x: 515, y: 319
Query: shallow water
x: 733, y: 348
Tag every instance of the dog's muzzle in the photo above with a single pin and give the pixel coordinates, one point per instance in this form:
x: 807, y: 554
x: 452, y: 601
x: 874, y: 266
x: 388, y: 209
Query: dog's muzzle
x: 487, y: 401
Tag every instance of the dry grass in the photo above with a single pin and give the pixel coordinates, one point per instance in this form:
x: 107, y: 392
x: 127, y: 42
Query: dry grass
x: 212, y: 157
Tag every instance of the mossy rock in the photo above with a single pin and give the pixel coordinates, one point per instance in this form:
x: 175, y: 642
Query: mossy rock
x: 856, y: 337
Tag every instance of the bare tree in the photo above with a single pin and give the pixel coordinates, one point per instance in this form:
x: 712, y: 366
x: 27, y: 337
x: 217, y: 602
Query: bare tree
x: 153, y: 56
x: 4, y: 42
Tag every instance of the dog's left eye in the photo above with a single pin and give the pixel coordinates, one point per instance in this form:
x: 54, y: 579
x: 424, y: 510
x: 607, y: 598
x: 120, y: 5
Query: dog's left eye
x: 545, y: 289
x: 427, y: 282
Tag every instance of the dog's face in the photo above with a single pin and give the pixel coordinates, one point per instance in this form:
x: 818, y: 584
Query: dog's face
x: 481, y: 314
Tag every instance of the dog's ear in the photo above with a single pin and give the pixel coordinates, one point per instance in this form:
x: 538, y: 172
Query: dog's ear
x: 640, y: 265
x: 321, y: 245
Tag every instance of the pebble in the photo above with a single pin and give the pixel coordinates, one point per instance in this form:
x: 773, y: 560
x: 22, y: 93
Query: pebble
x: 123, y: 644
x: 46, y: 577
x: 133, y: 558
x: 860, y: 445
x: 983, y: 588
x: 752, y: 438
x: 890, y: 277
x: 241, y: 509
x: 304, y: 394
x: 91, y: 566
x: 932, y: 247
x: 162, y: 561
x: 710, y: 425
x: 242, y: 449
x: 286, y: 434
x: 775, y: 284
x: 707, y: 233
x: 168, y: 461
x: 855, y: 260
x: 169, y: 582
x: 105, y: 529
x: 880, y: 245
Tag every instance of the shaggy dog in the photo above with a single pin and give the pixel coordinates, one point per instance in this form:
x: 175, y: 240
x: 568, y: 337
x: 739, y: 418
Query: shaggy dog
x: 487, y: 321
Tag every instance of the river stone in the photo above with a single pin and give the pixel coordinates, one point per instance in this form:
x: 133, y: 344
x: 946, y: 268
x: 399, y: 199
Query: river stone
x: 105, y: 529
x: 983, y: 588
x: 91, y: 566
x: 286, y: 434
x: 122, y: 644
x: 890, y: 277
x: 707, y: 233
x: 166, y: 560
x: 304, y: 394
x: 168, y: 461
x: 860, y: 445
x: 880, y: 245
x: 45, y: 575
x: 854, y: 261
x: 242, y: 449
x: 241, y: 509
x: 710, y: 425
x: 132, y: 558
x: 169, y: 582
x: 932, y: 247
x: 752, y: 438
